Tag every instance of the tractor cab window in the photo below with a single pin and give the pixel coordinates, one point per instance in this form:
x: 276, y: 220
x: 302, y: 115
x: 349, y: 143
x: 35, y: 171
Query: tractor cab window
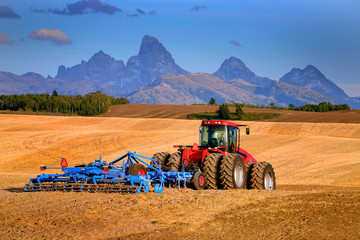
x: 213, y: 136
x: 232, y: 139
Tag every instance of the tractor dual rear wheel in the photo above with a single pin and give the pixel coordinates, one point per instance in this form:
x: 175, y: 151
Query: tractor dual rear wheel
x: 262, y: 176
x: 249, y: 167
x: 211, y: 169
x: 162, y: 157
x: 232, y: 172
x: 174, y: 161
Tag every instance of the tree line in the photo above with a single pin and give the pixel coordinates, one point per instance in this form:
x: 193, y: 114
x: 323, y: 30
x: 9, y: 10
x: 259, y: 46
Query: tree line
x: 89, y: 105
x: 321, y: 107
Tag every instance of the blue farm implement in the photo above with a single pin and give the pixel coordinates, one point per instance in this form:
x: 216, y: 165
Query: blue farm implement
x: 129, y: 173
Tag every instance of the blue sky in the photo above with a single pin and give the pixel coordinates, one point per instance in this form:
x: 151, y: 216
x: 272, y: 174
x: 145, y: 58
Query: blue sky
x: 270, y: 36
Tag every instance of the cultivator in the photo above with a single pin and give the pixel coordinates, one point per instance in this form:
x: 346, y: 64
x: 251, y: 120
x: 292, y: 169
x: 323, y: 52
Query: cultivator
x: 129, y: 173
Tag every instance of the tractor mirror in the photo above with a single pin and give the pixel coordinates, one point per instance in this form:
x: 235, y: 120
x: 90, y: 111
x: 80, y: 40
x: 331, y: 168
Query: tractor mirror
x: 200, y: 129
x: 247, y: 131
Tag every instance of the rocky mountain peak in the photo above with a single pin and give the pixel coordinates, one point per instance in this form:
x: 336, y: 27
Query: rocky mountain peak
x: 153, y: 53
x: 233, y: 68
x: 152, y: 61
x: 149, y: 45
x: 101, y: 59
x: 311, y: 78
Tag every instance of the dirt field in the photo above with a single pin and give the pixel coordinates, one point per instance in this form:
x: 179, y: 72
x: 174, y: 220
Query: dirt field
x: 181, y: 112
x: 317, y: 168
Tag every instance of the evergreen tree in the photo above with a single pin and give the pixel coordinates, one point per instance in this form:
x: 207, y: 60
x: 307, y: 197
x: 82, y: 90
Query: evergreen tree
x: 239, y: 112
x: 224, y: 112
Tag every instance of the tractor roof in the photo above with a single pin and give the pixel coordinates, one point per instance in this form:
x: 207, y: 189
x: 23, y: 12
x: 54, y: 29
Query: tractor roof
x: 219, y: 122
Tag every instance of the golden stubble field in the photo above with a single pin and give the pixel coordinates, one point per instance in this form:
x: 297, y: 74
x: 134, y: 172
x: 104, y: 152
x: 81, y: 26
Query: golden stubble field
x: 317, y: 168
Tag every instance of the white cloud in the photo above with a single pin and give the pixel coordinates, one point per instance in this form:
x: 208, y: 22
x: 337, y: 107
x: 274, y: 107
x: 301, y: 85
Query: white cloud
x: 54, y: 35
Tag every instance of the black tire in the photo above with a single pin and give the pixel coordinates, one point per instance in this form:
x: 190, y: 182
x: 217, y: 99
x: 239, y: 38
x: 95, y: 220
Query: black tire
x: 232, y: 172
x: 136, y: 169
x: 174, y: 161
x: 199, y: 181
x: 162, y: 157
x: 263, y: 176
x: 211, y: 169
x: 249, y: 167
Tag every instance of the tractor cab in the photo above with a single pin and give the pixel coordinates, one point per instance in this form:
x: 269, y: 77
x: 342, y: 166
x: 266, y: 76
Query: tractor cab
x: 220, y: 134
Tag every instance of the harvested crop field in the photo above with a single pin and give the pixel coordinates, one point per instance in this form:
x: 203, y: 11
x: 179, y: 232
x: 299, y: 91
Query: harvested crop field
x: 317, y: 168
x: 182, y: 111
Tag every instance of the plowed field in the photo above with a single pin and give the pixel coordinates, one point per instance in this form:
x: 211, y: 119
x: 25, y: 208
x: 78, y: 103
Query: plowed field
x: 182, y: 111
x: 317, y: 167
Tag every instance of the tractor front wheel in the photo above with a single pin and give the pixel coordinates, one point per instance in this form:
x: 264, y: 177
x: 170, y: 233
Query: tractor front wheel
x: 174, y: 161
x: 263, y: 176
x: 232, y: 172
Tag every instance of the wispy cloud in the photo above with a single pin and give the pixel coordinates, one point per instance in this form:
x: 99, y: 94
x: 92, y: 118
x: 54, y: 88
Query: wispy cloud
x: 4, y: 39
x: 83, y: 7
x: 199, y: 8
x: 132, y: 15
x: 140, y: 11
x: 152, y: 13
x: 6, y: 12
x: 235, y: 43
x: 54, y: 35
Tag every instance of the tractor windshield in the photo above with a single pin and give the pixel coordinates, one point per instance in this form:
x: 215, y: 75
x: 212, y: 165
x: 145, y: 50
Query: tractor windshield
x: 213, y: 136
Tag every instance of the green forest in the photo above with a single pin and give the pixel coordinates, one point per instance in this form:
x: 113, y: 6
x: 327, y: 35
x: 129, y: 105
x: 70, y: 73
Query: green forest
x: 89, y: 105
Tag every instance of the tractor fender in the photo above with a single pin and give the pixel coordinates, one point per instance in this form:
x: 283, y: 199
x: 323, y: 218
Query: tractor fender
x: 246, y: 156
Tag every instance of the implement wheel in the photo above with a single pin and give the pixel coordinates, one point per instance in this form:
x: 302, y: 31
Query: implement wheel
x: 232, y: 172
x: 211, y: 169
x: 136, y: 169
x: 162, y: 157
x: 199, y: 181
x: 174, y: 161
x: 263, y: 176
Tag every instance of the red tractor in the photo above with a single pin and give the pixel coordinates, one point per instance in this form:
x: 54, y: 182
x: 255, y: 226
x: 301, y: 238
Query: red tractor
x: 225, y: 165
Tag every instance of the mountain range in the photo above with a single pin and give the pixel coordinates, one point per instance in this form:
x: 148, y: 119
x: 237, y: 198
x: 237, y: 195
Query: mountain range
x: 152, y: 76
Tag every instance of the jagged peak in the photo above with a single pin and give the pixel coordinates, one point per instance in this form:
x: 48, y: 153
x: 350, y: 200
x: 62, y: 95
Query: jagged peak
x: 147, y: 38
x: 150, y: 44
x: 235, y: 63
x: 310, y: 67
x: 100, y: 54
x: 234, y: 59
